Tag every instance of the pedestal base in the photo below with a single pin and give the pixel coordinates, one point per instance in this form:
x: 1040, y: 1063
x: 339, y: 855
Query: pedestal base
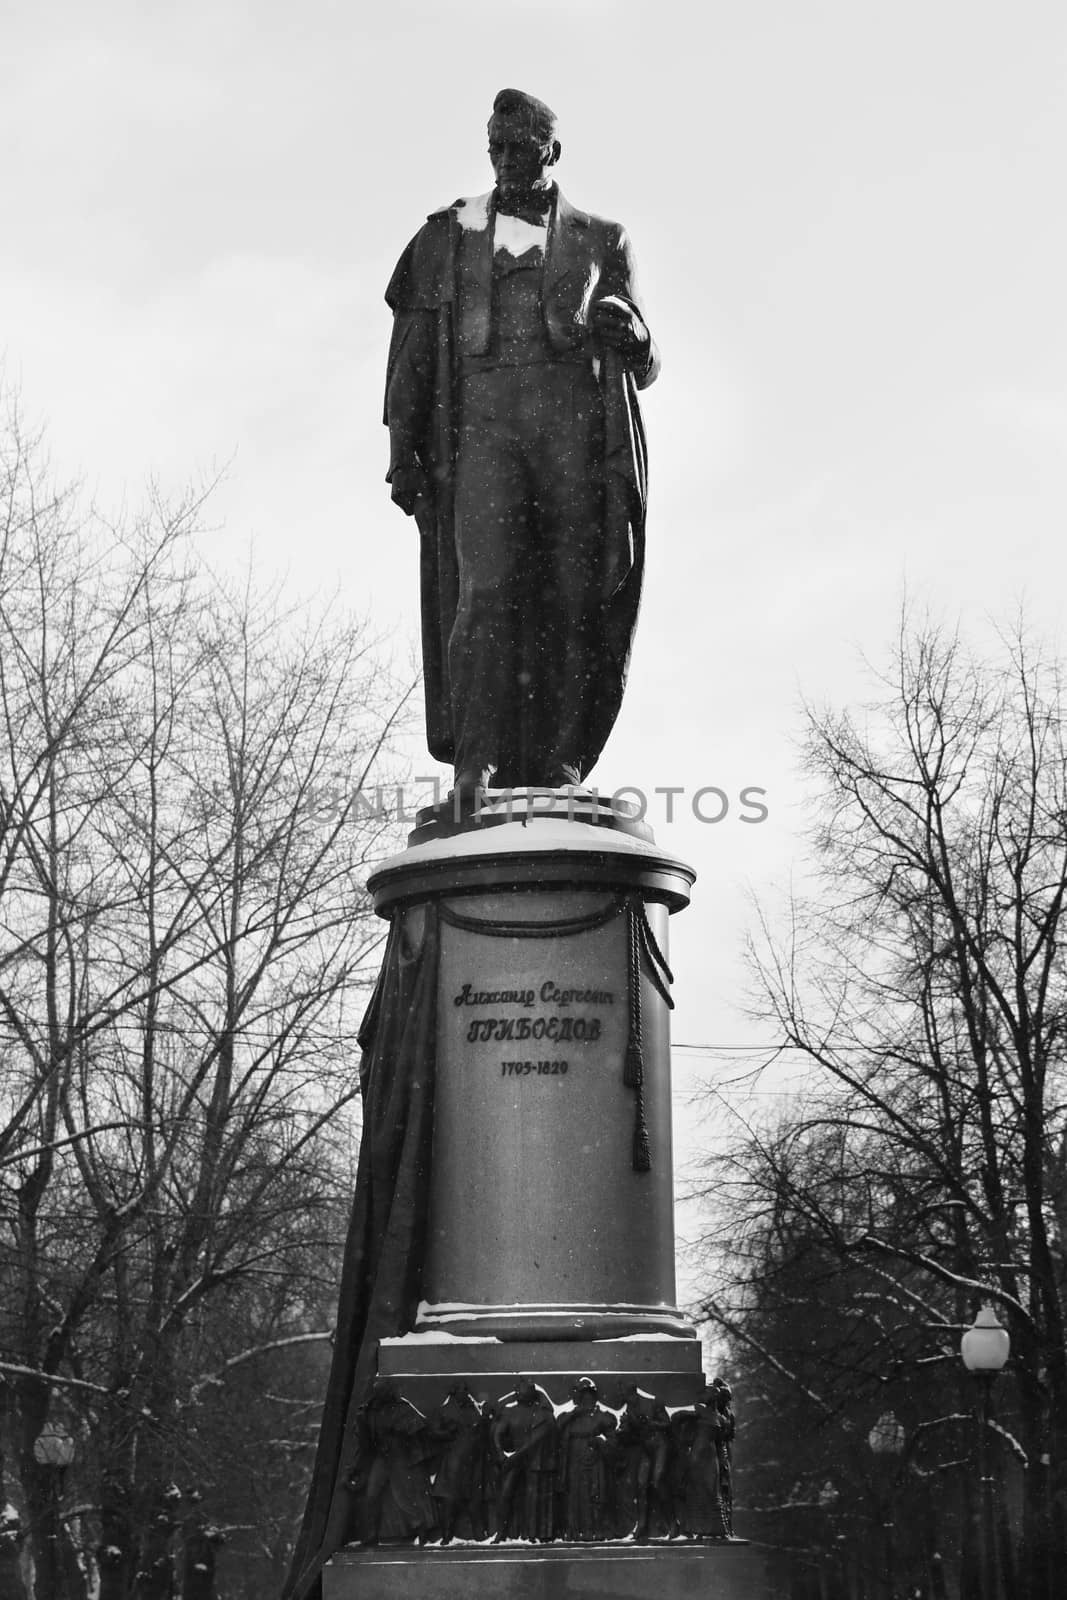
x: 425, y: 1370
x: 730, y: 1571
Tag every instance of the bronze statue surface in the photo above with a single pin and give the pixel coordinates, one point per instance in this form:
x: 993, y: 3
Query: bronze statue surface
x: 516, y: 442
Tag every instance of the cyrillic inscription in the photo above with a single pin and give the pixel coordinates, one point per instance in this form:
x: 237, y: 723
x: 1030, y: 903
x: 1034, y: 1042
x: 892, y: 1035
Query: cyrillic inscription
x: 582, y: 1030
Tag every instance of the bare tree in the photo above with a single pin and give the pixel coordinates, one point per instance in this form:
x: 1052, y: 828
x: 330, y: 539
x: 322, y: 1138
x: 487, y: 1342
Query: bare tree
x: 183, y: 936
x: 923, y: 981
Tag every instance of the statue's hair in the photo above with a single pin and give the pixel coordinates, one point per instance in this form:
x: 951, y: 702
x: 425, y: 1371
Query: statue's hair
x: 516, y: 103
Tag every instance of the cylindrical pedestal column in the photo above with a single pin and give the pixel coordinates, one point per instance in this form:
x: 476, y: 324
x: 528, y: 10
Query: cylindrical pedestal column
x: 551, y: 1211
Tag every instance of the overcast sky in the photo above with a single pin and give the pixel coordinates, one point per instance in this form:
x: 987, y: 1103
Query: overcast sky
x: 850, y: 230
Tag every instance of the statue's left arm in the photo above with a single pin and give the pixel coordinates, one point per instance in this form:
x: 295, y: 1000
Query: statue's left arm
x: 623, y: 325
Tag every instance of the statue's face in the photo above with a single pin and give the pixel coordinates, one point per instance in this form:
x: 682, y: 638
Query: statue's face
x: 520, y: 159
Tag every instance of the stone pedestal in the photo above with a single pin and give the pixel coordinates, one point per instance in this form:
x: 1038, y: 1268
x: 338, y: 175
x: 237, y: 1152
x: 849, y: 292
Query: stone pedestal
x: 552, y: 1192
x: 550, y: 1247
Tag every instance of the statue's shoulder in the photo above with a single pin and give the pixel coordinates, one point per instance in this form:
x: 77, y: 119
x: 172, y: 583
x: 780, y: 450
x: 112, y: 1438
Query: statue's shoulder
x: 602, y: 228
x: 470, y: 212
x: 423, y: 275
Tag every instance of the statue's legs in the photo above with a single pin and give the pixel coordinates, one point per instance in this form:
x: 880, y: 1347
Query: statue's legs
x: 528, y: 510
x: 568, y: 474
x: 509, y: 1481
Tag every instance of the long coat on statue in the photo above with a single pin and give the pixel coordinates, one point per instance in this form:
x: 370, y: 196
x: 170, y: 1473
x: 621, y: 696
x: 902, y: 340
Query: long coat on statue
x: 441, y: 294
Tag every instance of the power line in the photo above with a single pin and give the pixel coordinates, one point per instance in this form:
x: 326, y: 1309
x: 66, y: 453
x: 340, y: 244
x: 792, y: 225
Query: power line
x: 736, y: 1049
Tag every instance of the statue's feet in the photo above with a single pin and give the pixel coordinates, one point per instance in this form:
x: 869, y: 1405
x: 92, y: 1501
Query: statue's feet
x: 469, y: 786
x: 563, y: 776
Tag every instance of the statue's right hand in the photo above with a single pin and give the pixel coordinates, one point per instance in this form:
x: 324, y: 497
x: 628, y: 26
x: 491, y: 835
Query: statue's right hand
x: 409, y: 485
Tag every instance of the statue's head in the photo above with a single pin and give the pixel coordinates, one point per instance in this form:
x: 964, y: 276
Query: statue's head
x: 585, y: 1394
x: 522, y: 143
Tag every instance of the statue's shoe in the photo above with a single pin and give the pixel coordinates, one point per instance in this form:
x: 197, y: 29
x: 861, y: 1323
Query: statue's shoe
x: 469, y: 786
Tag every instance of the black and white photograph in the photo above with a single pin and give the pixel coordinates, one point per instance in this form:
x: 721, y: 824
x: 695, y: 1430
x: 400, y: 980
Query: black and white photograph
x: 533, y: 800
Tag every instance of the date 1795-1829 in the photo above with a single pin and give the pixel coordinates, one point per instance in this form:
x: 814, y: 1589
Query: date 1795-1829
x: 523, y: 1069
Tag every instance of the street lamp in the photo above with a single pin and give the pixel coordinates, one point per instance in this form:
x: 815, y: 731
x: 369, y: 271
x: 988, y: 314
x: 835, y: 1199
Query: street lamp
x: 985, y: 1347
x: 887, y: 1436
x: 53, y: 1450
x: 54, y: 1446
x: 886, y: 1441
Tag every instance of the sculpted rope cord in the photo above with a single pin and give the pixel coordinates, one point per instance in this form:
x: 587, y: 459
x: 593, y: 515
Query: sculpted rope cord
x: 633, y: 1072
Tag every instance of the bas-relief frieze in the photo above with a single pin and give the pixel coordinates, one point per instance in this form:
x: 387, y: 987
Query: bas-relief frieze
x: 617, y: 1466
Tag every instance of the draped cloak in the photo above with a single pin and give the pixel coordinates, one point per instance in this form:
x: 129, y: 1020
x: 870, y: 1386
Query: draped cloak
x: 386, y: 1244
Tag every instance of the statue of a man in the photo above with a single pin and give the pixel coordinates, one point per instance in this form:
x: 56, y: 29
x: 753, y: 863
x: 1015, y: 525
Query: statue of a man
x: 516, y: 442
